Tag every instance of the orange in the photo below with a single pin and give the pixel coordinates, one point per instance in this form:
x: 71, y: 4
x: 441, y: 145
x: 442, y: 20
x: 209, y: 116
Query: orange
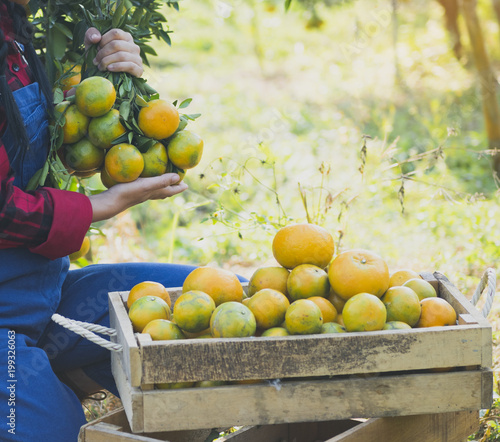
x: 124, y: 163
x: 85, y: 173
x: 275, y: 331
x: 307, y: 280
x: 185, y: 149
x: 269, y: 307
x: 364, y: 312
x: 95, y: 96
x: 232, y: 320
x: 268, y: 278
x: 84, y: 249
x: 83, y: 156
x: 192, y: 311
x: 303, y: 244
x: 71, y: 76
x: 399, y: 277
x: 436, y: 312
x: 402, y: 304
x: 106, y: 180
x: 206, y: 384
x: 332, y: 327
x: 339, y: 319
x: 148, y: 288
x: 358, y: 271
x: 163, y: 330
x: 247, y: 382
x: 103, y: 130
x: 245, y: 301
x: 222, y: 285
x: 328, y: 310
x: 158, y: 119
x: 303, y: 317
x: 395, y: 325
x: 336, y: 300
x: 75, y: 123
x: 421, y: 287
x: 201, y: 334
x: 155, y: 160
x: 146, y: 309
x: 174, y: 385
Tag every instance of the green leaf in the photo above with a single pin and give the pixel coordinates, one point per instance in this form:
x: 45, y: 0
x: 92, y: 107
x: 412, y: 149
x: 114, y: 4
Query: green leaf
x: 117, y: 16
x: 34, y: 180
x: 287, y: 4
x: 125, y: 110
x: 148, y: 50
x: 185, y: 103
x: 58, y: 43
x: 140, y: 101
x: 150, y: 90
x: 192, y: 117
x: 58, y: 95
x: 64, y: 29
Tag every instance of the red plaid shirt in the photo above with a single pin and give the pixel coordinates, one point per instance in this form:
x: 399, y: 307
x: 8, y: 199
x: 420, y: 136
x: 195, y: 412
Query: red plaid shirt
x: 47, y: 221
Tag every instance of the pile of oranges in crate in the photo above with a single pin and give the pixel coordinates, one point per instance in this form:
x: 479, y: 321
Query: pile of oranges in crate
x: 311, y: 291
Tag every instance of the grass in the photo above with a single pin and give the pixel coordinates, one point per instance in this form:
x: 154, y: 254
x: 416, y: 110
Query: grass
x: 281, y: 102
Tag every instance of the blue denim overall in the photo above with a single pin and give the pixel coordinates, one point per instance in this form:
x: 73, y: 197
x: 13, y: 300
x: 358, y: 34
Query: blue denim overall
x: 34, y: 404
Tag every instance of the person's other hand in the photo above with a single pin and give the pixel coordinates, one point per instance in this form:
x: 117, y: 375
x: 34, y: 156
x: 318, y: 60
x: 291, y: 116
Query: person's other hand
x: 116, y: 51
x: 120, y: 197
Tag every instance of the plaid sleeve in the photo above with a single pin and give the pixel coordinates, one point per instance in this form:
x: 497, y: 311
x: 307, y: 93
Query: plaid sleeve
x: 47, y: 221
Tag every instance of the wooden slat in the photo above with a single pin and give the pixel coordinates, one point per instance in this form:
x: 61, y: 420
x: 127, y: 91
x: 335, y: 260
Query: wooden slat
x: 311, y: 355
x: 131, y: 397
x: 466, y: 319
x: 116, y: 424
x: 103, y: 432
x: 430, y: 278
x: 449, y: 427
x: 129, y: 356
x: 462, y: 305
x: 257, y: 404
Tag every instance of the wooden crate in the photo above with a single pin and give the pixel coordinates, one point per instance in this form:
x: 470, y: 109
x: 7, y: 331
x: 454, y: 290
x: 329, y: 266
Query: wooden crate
x: 376, y: 374
x: 450, y: 427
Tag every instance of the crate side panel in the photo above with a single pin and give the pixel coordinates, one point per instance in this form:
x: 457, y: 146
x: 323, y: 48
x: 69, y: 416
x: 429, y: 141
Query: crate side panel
x: 312, y: 355
x: 129, y: 357
x: 462, y: 305
x: 312, y: 400
x: 455, y: 426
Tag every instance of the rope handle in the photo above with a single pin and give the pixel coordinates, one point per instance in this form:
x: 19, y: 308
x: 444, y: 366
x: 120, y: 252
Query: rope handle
x: 489, y: 280
x: 88, y: 331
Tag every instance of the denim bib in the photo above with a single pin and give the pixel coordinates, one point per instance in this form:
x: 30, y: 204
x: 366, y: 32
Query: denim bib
x: 30, y: 284
x: 31, y: 104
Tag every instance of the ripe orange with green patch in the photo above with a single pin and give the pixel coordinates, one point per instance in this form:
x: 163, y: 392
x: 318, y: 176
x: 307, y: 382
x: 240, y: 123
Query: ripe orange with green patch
x: 193, y: 310
x: 232, y: 320
x: 269, y: 308
x: 146, y: 309
x: 124, y: 163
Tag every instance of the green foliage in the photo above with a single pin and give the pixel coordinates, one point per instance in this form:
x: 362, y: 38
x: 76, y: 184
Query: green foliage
x: 61, y: 26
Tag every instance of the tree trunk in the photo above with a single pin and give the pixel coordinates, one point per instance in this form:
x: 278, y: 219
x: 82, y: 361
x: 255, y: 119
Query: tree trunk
x: 496, y: 7
x: 451, y: 10
x: 488, y: 81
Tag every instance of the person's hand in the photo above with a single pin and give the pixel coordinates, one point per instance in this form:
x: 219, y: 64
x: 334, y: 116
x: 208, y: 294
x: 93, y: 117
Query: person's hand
x: 120, y: 197
x: 116, y: 51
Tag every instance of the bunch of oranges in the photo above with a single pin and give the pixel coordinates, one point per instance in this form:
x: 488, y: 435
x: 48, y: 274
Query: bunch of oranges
x: 97, y: 137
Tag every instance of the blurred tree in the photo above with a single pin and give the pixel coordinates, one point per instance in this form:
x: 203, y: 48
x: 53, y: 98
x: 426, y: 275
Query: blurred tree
x: 488, y: 82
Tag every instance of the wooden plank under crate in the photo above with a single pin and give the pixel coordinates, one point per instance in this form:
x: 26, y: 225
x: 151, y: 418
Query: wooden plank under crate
x: 449, y: 427
x: 373, y: 374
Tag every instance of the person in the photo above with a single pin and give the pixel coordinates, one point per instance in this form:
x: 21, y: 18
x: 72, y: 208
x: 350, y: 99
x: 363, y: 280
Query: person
x: 40, y: 360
